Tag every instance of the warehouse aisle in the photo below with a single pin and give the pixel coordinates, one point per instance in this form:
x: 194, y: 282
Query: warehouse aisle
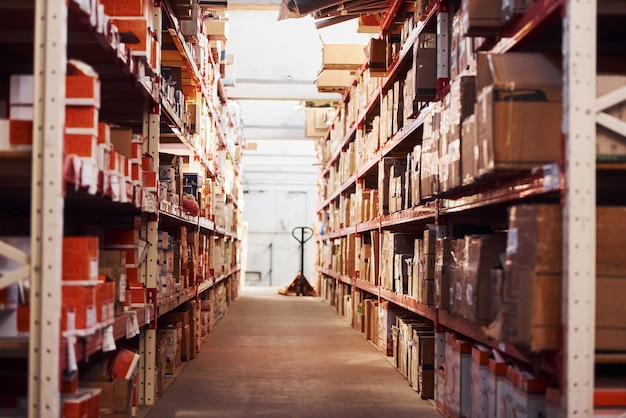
x: 282, y: 356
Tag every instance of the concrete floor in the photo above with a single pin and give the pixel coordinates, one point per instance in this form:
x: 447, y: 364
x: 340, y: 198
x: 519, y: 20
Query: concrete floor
x: 286, y: 356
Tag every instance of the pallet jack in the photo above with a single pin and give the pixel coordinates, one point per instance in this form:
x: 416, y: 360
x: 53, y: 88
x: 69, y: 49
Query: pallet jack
x: 300, y: 286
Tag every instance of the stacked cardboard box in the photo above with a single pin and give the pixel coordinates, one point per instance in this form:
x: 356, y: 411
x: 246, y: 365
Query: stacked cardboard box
x: 457, y: 386
x: 396, y: 249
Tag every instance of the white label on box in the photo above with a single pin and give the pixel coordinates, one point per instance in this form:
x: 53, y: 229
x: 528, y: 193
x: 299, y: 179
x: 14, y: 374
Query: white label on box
x: 130, y: 333
x: 93, y: 269
x: 469, y: 293
x: 91, y: 317
x: 122, y: 287
x: 551, y: 177
x: 71, y: 319
x: 108, y: 339
x: 135, y: 323
x: 104, y: 313
x: 71, y: 354
x: 511, y: 242
x: 458, y: 291
x: 111, y: 310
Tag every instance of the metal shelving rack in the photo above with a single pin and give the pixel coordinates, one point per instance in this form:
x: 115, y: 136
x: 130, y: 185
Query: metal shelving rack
x: 57, y: 26
x: 571, y: 181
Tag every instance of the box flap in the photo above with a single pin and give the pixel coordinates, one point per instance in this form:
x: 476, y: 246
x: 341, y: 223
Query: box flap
x: 518, y: 71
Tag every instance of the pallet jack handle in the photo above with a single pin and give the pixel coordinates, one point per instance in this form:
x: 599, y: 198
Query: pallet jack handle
x: 306, y: 234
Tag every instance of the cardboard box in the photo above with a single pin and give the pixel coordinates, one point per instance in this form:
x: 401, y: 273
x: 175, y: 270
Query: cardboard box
x: 81, y: 145
x: 483, y: 253
x: 333, y: 80
x: 425, y: 66
x: 80, y: 259
x: 469, y: 150
x: 528, y: 394
x: 457, y: 276
x: 82, y: 86
x: 532, y: 288
x: 457, y: 396
x: 481, y: 17
x: 611, y: 278
x: 498, y: 389
x: 377, y: 57
x: 516, y: 89
x: 445, y: 260
x: 139, y: 28
x: 21, y: 89
x: 127, y: 144
x: 80, y: 302
x: 16, y: 135
x: 386, y: 319
x: 115, y: 397
x: 81, y: 120
x: 480, y: 381
x: 342, y: 56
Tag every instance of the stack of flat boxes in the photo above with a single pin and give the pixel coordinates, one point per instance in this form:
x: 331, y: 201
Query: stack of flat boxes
x: 80, y: 276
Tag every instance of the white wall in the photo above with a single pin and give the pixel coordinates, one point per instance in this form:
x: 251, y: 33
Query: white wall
x: 276, y: 61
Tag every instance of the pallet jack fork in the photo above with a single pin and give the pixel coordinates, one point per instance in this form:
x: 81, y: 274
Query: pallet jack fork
x: 300, y: 286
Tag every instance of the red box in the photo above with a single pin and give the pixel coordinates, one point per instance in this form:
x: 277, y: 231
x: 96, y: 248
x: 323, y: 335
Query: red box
x: 82, y: 86
x: 102, y: 311
x: 133, y: 274
x: 136, y: 173
x: 113, y: 160
x: 75, y: 405
x: 124, y: 364
x: 80, y: 258
x: 123, y: 7
x: 150, y: 179
x: 147, y: 162
x: 83, y: 300
x: 104, y: 133
x: 136, y: 293
x: 69, y: 382
x: 20, y: 132
x: 23, y: 318
x: 139, y: 27
x: 81, y: 145
x: 81, y: 118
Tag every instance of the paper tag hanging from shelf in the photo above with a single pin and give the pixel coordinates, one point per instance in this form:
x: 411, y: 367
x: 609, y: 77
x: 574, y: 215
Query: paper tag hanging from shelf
x: 130, y: 333
x: 71, y: 354
x: 551, y: 177
x: 135, y: 323
x: 108, y: 339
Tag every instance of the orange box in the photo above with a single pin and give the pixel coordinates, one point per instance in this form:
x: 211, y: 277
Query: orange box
x: 150, y: 179
x: 136, y: 293
x: 93, y: 403
x: 82, y: 88
x: 80, y: 258
x: 81, y: 145
x: 102, y: 310
x: 113, y: 160
x: 132, y: 255
x: 104, y: 133
x: 123, y: 7
x: 133, y: 274
x: 75, y: 405
x: 69, y: 382
x: 20, y: 132
x: 23, y: 318
x: 136, y: 173
x: 83, y: 300
x: 121, y: 236
x: 139, y: 27
x: 110, y: 299
x: 81, y: 119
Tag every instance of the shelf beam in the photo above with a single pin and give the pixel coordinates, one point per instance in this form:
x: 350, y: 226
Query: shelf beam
x: 579, y: 219
x: 47, y: 208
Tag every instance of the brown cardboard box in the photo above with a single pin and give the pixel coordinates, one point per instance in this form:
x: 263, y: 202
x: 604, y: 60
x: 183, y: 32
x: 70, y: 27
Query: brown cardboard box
x: 469, y: 150
x: 115, y: 397
x: 378, y: 57
x: 515, y: 90
x: 532, y: 271
x: 611, y: 278
x: 425, y: 65
x: 342, y: 56
x: 483, y: 253
x: 480, y: 381
x: 480, y: 17
x: 458, y: 256
x: 384, y: 175
x: 457, y: 395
